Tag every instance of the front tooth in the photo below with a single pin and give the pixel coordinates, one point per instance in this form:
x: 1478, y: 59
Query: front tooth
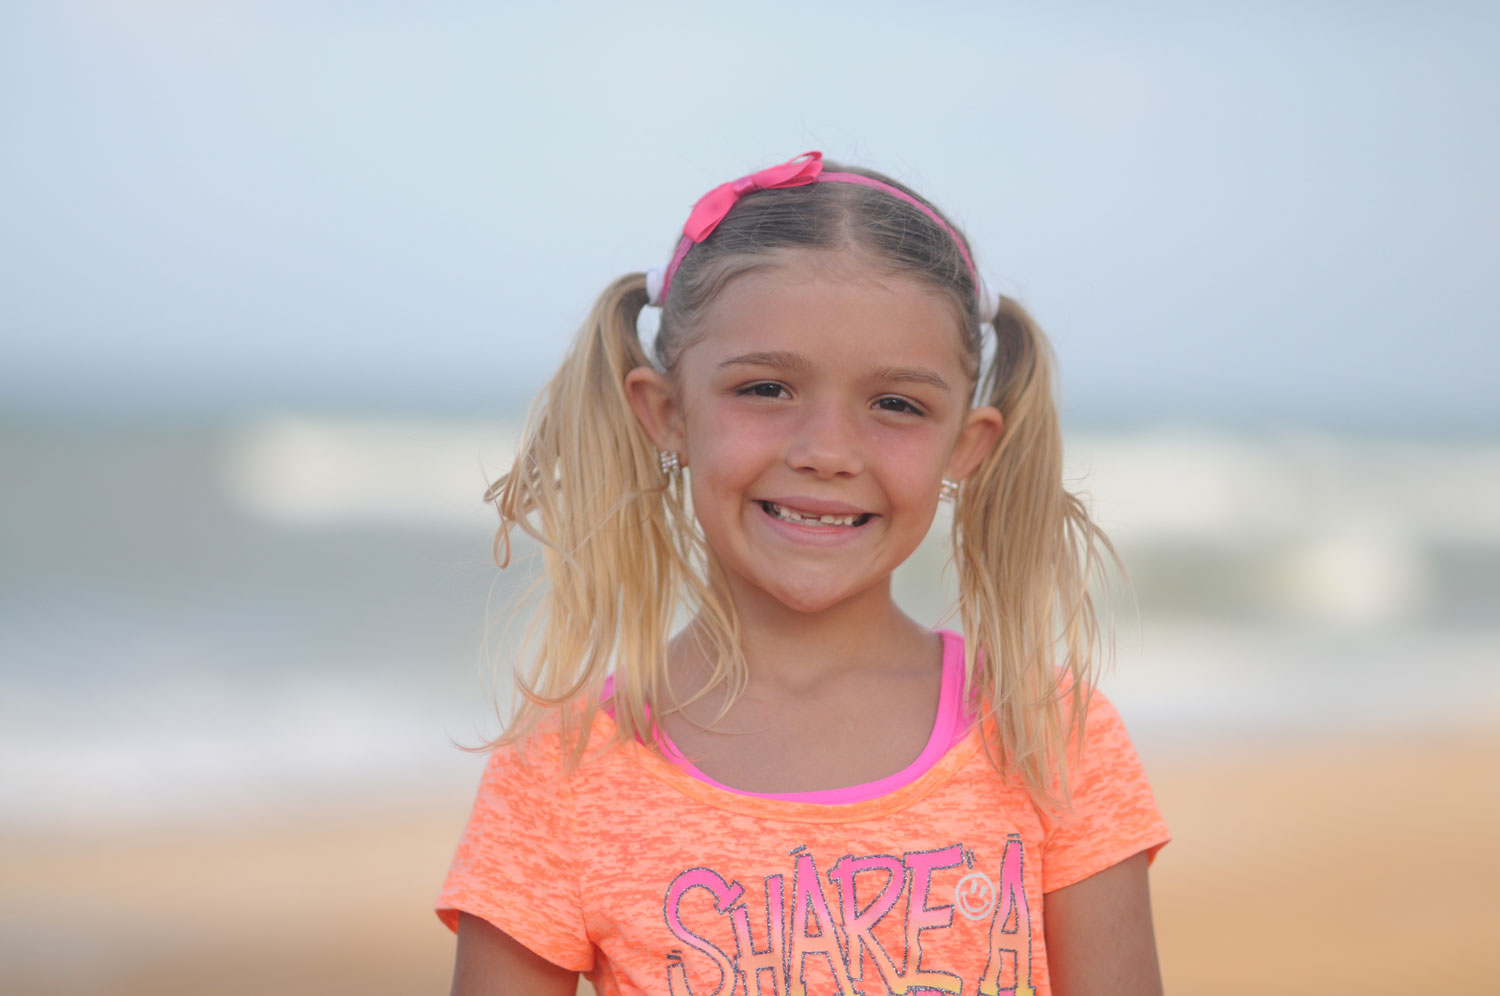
x: 788, y: 515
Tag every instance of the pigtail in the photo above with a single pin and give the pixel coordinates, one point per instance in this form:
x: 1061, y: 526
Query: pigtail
x: 587, y: 485
x: 1026, y: 552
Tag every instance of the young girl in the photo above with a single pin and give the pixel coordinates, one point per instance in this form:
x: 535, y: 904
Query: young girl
x: 803, y: 790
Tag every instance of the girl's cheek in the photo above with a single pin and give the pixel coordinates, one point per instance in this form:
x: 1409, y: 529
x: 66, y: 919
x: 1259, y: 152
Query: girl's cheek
x: 722, y: 426
x: 913, y: 444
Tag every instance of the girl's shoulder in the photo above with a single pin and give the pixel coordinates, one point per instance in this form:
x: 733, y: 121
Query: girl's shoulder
x: 1109, y: 810
x: 1103, y: 728
x: 561, y: 745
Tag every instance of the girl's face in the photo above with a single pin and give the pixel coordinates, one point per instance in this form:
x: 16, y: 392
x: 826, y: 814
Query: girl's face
x: 818, y: 408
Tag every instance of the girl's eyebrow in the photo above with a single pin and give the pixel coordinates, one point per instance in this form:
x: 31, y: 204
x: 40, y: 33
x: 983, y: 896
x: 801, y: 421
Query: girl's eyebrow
x: 783, y: 360
x: 911, y: 375
x: 780, y: 359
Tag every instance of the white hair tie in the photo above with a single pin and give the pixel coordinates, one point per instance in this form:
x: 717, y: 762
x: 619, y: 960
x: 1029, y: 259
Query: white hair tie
x: 654, y: 279
x: 989, y: 303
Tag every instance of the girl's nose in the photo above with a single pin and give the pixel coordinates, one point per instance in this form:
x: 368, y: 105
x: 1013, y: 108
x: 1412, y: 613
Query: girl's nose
x: 827, y: 443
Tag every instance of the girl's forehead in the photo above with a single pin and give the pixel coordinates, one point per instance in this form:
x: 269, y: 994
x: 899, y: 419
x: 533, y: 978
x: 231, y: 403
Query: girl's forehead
x: 818, y: 302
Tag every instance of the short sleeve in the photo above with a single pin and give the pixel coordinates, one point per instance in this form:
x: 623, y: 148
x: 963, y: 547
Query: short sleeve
x: 1113, y: 813
x: 516, y: 865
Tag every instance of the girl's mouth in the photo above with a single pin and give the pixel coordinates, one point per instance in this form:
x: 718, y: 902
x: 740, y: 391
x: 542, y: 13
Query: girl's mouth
x: 787, y: 515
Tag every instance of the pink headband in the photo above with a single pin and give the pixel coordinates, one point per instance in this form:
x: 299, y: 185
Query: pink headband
x: 807, y: 168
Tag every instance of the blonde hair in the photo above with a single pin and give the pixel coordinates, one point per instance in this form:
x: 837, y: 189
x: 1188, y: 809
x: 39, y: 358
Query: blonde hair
x: 623, y: 554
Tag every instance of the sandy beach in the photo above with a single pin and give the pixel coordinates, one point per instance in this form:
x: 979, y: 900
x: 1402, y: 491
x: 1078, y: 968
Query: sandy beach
x: 1342, y: 866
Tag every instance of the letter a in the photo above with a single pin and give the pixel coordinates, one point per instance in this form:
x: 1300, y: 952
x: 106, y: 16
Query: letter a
x: 807, y: 896
x: 1010, y: 931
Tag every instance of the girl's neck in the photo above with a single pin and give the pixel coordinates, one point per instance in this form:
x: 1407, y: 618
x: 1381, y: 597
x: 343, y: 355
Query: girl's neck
x: 838, y: 698
x: 790, y: 650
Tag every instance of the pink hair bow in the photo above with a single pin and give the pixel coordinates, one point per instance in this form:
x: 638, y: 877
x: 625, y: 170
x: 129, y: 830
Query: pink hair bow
x: 807, y: 168
x: 714, y: 205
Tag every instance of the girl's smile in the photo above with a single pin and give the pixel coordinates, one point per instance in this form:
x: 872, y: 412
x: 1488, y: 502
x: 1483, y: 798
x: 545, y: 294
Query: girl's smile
x: 799, y: 520
x: 812, y: 513
x: 818, y: 409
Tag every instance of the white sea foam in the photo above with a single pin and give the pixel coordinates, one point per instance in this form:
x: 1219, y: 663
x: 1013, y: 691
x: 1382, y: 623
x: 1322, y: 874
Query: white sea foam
x: 1224, y: 488
x: 195, y: 745
x: 1348, y: 526
x: 318, y: 471
x: 1195, y: 683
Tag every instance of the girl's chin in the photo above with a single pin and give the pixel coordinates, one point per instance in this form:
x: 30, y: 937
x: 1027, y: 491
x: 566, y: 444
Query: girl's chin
x: 813, y: 599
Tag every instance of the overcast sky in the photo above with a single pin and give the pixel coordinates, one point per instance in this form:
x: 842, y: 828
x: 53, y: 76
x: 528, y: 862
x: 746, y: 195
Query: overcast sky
x: 1255, y: 212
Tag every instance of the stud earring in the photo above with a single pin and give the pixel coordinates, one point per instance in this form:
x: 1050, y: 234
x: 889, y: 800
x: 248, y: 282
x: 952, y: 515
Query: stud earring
x: 949, y: 490
x: 670, y: 465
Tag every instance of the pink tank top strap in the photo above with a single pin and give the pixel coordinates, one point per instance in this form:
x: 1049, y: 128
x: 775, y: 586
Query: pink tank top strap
x: 949, y: 729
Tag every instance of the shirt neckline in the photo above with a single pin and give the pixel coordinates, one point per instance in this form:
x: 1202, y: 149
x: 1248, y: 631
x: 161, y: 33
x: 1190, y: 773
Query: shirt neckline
x: 948, y: 746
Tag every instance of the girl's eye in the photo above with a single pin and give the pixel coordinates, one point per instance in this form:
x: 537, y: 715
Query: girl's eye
x: 768, y: 389
x: 899, y: 405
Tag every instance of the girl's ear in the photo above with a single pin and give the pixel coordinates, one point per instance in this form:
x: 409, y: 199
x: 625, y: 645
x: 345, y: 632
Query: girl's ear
x: 655, y: 405
x: 976, y: 440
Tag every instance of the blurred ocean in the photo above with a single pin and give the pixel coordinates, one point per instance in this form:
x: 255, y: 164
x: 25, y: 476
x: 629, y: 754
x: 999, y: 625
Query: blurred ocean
x: 198, y: 618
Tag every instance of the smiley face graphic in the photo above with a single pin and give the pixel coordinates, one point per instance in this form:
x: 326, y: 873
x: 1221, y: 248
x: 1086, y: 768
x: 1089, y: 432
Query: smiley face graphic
x: 974, y: 895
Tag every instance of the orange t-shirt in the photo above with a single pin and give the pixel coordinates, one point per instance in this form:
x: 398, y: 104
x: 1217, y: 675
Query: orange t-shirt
x: 650, y: 880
